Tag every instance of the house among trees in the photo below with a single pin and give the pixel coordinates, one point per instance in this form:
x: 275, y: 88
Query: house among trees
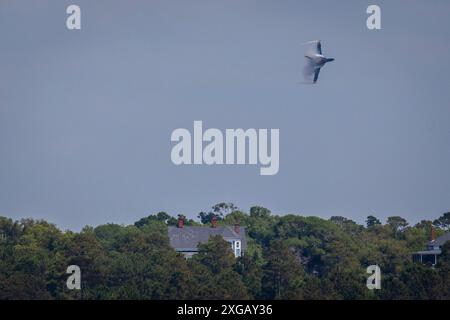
x: 433, y: 249
x: 185, y: 239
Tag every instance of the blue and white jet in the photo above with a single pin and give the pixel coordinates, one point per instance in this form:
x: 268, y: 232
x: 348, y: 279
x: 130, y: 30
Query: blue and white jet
x: 314, y: 61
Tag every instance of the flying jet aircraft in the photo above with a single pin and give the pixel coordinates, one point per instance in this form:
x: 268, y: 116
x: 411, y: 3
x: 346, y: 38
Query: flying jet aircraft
x: 314, y: 61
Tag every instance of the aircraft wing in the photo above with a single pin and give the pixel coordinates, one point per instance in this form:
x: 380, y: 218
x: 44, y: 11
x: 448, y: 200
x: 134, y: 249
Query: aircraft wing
x: 319, y: 47
x: 309, y: 71
x: 313, y: 47
x: 316, y: 75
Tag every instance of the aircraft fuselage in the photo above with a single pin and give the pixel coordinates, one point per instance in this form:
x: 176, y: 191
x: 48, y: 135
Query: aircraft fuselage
x: 318, y: 59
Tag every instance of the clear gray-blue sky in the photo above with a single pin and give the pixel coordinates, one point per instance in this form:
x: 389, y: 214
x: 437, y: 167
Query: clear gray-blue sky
x: 86, y: 116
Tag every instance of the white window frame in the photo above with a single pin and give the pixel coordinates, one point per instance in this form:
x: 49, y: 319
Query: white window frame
x: 237, y: 248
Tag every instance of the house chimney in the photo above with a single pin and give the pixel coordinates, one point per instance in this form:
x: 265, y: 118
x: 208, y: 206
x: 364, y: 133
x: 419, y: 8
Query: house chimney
x: 237, y: 228
x: 180, y: 222
x: 433, y: 234
x: 214, y: 222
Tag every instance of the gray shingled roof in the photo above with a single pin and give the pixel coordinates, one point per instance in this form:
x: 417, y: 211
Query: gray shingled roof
x: 441, y: 240
x: 187, y: 238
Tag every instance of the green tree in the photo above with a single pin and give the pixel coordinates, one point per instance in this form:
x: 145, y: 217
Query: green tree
x: 218, y: 263
x: 287, y: 257
x: 216, y: 254
x: 218, y: 211
x: 259, y: 212
x: 160, y: 216
x: 283, y: 274
x: 397, y: 224
x: 372, y: 221
x: 250, y: 269
x: 443, y: 221
x: 341, y: 221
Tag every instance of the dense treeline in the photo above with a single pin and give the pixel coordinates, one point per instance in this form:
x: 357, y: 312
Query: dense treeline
x: 288, y: 257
